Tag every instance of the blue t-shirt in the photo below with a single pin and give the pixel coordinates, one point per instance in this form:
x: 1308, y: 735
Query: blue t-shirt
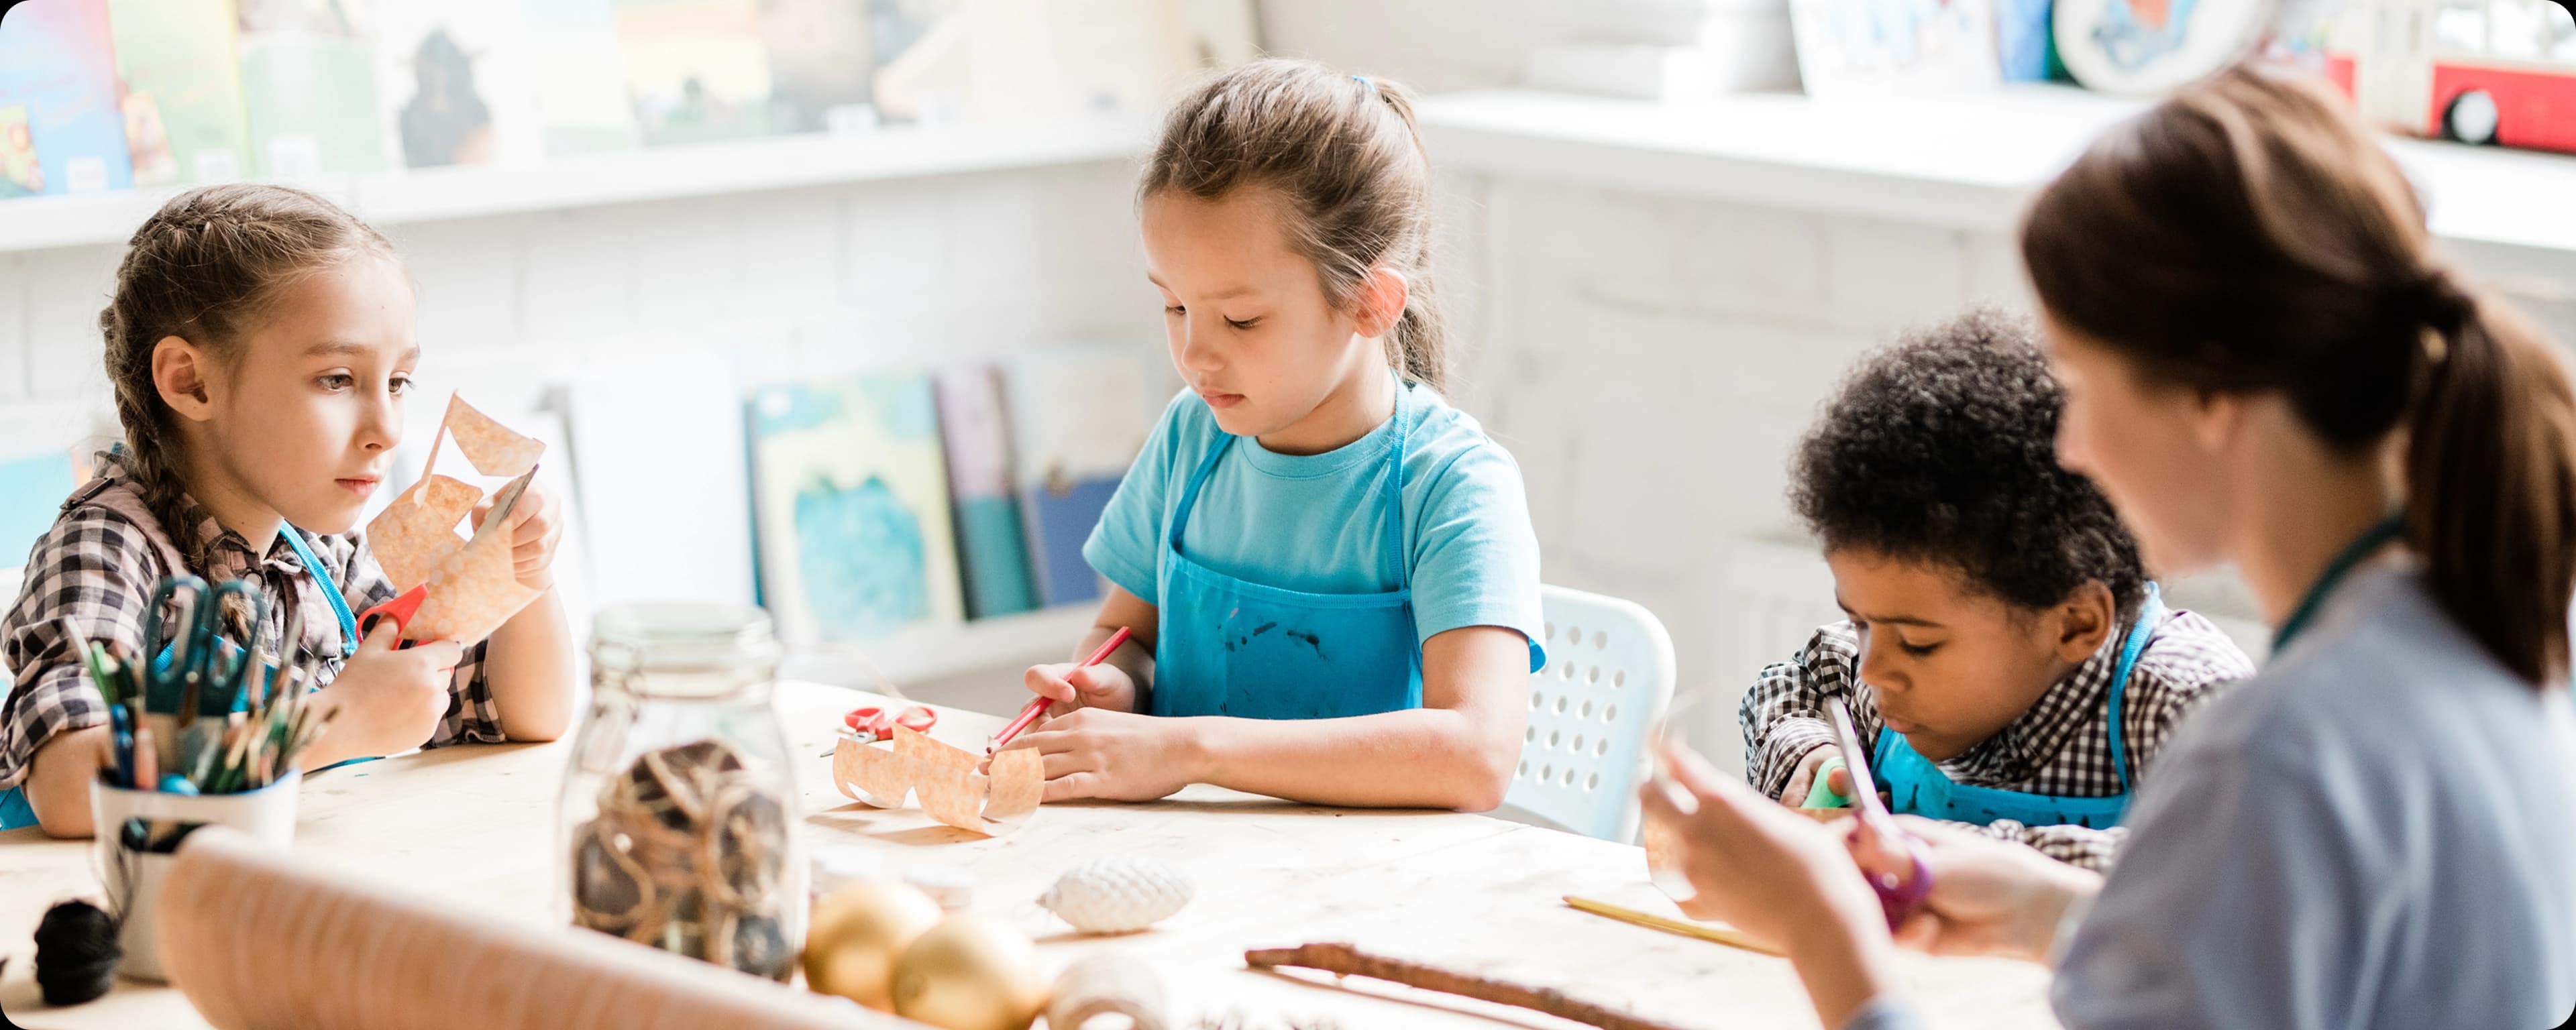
x: 1317, y: 523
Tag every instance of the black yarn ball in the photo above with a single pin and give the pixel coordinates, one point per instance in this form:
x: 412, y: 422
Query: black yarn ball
x: 76, y: 952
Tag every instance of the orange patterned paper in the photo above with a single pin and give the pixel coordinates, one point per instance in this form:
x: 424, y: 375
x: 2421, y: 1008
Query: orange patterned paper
x: 473, y: 587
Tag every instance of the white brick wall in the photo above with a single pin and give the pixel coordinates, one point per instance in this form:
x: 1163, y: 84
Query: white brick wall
x: 974, y: 264
x: 1652, y: 361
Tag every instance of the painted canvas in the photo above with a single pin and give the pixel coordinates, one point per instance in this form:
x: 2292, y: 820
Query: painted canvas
x: 181, y: 90
x: 695, y: 69
x: 850, y: 490
x: 452, y: 83
x: 1881, y: 47
x: 309, y: 87
x: 57, y: 65
x: 21, y: 175
x: 1070, y: 457
x: 2144, y: 47
x: 992, y: 553
x: 580, y: 85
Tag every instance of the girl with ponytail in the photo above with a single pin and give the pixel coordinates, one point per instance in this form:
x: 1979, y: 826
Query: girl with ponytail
x: 2268, y: 365
x: 1329, y: 572
x: 260, y: 346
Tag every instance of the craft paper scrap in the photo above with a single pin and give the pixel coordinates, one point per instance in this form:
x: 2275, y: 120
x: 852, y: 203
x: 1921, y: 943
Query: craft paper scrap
x: 473, y: 587
x: 944, y: 779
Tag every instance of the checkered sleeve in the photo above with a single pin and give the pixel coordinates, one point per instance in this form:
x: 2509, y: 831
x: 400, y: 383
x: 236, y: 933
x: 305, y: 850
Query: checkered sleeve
x: 2080, y: 846
x: 2191, y: 661
x: 1783, y: 716
x: 472, y: 715
x: 94, y: 571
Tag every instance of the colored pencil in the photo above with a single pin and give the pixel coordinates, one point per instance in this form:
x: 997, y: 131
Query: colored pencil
x: 1038, y: 707
x: 1702, y: 931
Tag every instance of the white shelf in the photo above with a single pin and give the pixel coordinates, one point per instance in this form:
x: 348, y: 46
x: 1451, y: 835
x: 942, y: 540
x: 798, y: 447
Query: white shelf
x: 909, y: 657
x: 1965, y: 161
x: 666, y: 173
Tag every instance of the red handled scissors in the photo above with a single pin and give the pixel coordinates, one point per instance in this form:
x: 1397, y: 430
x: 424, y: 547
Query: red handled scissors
x: 1899, y: 897
x: 406, y: 605
x: 873, y: 723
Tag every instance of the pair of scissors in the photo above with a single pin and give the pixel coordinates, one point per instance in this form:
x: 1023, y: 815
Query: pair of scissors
x: 406, y: 605
x: 190, y: 669
x: 1898, y: 896
x: 872, y: 723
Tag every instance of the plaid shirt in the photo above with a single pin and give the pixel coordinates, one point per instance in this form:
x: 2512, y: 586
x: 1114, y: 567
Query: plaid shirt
x: 2060, y: 747
x: 98, y: 569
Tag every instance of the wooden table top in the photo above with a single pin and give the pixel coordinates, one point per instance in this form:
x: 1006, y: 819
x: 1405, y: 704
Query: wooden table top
x: 475, y: 826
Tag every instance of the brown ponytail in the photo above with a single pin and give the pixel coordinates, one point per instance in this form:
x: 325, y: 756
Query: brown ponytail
x: 205, y: 268
x: 1345, y: 153
x: 2249, y: 235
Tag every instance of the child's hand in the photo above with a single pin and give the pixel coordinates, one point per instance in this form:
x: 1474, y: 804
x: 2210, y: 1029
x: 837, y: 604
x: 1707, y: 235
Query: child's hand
x: 1803, y: 780
x: 533, y: 536
x: 387, y: 701
x: 1119, y: 756
x: 1070, y: 686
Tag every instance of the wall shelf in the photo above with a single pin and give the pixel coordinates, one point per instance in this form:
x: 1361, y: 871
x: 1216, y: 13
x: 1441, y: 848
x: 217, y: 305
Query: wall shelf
x: 1964, y: 161
x: 912, y: 656
x: 665, y: 173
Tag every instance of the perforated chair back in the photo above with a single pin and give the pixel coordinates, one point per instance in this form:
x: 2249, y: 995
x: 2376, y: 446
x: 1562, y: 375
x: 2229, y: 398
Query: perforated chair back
x: 1609, y: 675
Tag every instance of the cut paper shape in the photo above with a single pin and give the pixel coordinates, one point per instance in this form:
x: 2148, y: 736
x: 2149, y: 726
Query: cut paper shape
x: 473, y: 586
x: 944, y: 779
x: 492, y: 448
x: 402, y: 545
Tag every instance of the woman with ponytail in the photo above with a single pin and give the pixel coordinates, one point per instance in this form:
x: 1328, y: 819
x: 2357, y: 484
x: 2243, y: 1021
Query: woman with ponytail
x: 2267, y: 365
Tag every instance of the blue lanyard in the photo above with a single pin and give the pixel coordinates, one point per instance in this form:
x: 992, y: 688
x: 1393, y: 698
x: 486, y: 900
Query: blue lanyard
x: 330, y: 590
x: 2371, y: 540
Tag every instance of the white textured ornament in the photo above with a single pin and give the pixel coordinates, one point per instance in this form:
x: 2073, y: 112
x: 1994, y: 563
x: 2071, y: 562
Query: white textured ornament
x: 1117, y: 894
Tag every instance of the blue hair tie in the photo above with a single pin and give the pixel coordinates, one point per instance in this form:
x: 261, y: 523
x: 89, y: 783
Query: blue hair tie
x: 1361, y: 79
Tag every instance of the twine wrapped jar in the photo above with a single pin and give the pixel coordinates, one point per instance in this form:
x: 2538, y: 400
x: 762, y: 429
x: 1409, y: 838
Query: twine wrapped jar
x: 679, y: 814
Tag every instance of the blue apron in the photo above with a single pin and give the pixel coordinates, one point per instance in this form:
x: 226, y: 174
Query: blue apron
x: 15, y: 811
x: 1228, y: 646
x: 1918, y: 786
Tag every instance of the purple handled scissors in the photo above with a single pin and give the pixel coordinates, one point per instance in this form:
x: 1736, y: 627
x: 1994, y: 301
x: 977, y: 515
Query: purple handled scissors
x: 1898, y: 897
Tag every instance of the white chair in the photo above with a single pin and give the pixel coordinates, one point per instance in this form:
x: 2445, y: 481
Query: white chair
x: 1609, y: 675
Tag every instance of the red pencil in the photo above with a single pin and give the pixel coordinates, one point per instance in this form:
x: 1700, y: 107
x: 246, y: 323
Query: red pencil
x: 1035, y: 708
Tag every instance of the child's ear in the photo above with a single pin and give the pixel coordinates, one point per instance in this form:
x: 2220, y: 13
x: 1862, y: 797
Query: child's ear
x: 1380, y: 302
x: 2085, y: 620
x: 179, y: 373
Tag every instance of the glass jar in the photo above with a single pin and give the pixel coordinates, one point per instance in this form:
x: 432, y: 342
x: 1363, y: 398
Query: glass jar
x: 679, y: 817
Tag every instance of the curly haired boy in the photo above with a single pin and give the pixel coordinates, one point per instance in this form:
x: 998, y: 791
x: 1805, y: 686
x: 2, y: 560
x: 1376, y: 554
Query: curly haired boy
x: 2007, y: 663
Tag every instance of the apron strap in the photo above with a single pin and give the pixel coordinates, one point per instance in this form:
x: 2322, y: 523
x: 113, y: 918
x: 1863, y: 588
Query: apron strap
x: 1395, y: 558
x: 2150, y: 613
x: 331, y: 591
x: 1190, y: 493
x: 1398, y: 560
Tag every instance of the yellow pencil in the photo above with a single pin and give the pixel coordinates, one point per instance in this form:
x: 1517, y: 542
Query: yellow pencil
x: 1702, y: 931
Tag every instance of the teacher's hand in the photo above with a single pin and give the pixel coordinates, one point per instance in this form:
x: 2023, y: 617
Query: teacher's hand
x: 1756, y: 865
x: 1777, y: 875
x: 1989, y: 897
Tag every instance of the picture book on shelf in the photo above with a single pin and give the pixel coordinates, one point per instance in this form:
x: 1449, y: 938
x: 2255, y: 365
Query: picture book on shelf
x: 1070, y: 457
x: 180, y: 82
x: 60, y: 128
x: 579, y: 79
x: 696, y: 70
x: 991, y: 549
x: 850, y: 494
x: 452, y: 83
x: 309, y: 89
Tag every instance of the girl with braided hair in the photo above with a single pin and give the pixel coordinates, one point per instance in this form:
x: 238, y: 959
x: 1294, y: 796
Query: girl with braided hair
x: 260, y: 344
